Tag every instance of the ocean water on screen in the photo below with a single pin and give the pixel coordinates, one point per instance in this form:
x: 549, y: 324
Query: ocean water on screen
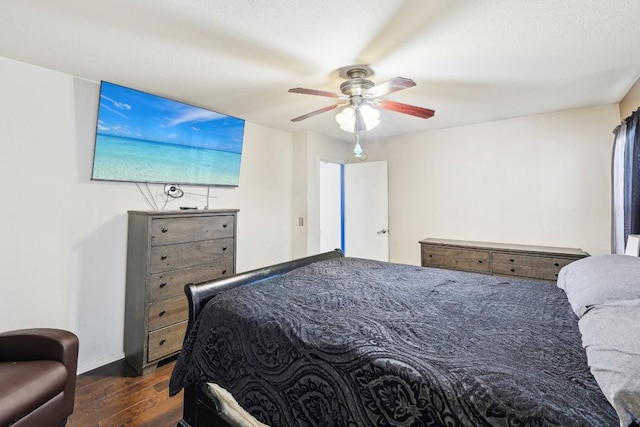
x: 128, y: 159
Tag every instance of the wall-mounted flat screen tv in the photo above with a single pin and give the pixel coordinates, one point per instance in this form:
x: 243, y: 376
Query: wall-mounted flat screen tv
x: 146, y: 138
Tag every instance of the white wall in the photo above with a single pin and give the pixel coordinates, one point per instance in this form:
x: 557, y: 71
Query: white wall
x: 540, y: 180
x: 63, y: 250
x: 631, y: 101
x: 300, y: 192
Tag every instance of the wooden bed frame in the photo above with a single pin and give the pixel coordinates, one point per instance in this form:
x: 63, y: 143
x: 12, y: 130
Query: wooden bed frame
x: 199, y: 408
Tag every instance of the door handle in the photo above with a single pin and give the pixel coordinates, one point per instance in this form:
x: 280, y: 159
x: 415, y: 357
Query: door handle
x: 383, y: 231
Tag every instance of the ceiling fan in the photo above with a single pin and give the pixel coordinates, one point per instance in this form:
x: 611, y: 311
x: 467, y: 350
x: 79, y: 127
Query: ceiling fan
x: 361, y: 95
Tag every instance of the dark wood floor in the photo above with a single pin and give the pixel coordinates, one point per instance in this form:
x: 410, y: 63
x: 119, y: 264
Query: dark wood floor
x: 114, y: 396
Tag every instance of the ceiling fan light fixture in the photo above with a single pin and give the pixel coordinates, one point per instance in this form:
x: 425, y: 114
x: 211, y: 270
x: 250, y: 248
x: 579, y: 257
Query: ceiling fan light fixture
x: 347, y: 118
x: 371, y: 116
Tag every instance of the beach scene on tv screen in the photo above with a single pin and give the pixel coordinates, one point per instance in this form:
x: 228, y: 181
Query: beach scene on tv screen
x: 146, y: 138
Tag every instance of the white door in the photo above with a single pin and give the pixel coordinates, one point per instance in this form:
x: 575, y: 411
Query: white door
x: 366, y: 210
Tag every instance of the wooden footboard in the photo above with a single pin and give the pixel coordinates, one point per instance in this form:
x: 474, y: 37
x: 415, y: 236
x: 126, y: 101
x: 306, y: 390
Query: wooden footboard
x: 199, y: 410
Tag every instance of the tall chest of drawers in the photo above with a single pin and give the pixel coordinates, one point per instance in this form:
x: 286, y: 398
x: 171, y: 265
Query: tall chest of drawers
x: 165, y: 252
x: 527, y: 261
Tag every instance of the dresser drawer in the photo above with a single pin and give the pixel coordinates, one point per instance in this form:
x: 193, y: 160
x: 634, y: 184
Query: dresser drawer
x: 171, y: 283
x: 551, y: 262
x: 165, y: 341
x: 460, y: 259
x: 167, y: 231
x: 545, y: 273
x: 512, y: 259
x: 167, y: 312
x: 185, y: 255
x: 547, y: 268
x: 513, y: 270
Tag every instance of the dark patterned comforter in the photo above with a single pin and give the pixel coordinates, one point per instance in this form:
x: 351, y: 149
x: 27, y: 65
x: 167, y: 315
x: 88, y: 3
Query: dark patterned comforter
x: 352, y: 342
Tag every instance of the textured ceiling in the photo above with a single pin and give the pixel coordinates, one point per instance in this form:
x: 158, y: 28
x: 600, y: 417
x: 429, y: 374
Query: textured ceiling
x: 473, y: 60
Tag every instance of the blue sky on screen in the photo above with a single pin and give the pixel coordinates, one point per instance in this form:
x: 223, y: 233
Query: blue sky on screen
x: 133, y: 114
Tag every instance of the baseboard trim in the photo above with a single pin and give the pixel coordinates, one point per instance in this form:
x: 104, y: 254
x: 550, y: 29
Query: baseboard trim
x: 100, y: 363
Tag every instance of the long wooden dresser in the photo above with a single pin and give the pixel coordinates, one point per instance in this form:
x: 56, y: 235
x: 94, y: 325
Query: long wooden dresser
x: 533, y: 262
x: 165, y: 252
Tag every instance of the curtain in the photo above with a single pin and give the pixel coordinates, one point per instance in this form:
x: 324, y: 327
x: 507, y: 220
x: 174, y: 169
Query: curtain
x: 617, y: 179
x: 626, y: 182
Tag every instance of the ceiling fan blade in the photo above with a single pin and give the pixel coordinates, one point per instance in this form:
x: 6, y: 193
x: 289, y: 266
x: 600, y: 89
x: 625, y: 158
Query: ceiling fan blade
x: 314, y: 113
x: 390, y: 86
x: 398, y: 107
x: 313, y: 92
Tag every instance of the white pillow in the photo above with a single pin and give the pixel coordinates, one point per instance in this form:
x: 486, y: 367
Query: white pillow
x: 611, y: 338
x: 599, y: 279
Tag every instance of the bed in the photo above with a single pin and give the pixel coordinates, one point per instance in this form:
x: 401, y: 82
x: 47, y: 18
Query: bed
x: 332, y: 340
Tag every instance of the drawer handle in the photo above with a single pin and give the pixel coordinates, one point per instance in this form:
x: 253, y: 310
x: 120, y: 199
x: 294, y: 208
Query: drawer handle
x: 165, y: 229
x: 430, y: 256
x: 224, y: 225
x: 224, y: 248
x: 556, y: 264
x: 479, y: 261
x: 162, y: 341
x: 163, y: 284
x: 162, y: 313
x: 511, y: 260
x: 163, y: 257
x: 224, y: 271
x: 513, y: 270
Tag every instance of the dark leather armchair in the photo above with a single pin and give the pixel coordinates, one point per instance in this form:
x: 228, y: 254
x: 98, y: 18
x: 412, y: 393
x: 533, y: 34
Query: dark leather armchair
x: 37, y: 377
